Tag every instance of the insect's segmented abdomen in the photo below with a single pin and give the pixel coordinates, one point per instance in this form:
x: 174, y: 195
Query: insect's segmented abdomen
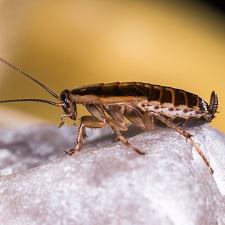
x: 174, y: 96
x: 161, y: 94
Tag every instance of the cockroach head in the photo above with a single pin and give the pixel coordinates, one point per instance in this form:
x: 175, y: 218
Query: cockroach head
x: 69, y: 107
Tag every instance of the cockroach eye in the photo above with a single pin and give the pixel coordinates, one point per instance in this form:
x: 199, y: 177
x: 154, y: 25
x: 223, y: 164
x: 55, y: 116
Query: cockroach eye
x: 64, y: 98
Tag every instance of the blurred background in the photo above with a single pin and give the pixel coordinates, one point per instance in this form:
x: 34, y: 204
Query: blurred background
x: 70, y: 43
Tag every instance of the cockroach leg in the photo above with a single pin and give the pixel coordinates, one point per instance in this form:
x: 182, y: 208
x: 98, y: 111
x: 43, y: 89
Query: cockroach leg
x: 198, y: 149
x: 63, y: 117
x: 116, y: 122
x: 125, y: 142
x: 86, y: 121
x: 123, y: 139
x: 186, y: 135
x: 79, y: 141
x: 170, y: 124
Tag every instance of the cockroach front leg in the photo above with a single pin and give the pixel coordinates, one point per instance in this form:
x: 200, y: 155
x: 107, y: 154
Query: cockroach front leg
x: 63, y: 117
x: 185, y: 134
x: 86, y: 121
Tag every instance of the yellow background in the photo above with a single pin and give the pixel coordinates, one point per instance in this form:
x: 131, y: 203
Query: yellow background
x: 72, y: 43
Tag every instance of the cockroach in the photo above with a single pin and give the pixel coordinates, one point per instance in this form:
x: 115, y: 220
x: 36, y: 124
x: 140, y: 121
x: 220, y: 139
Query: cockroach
x: 142, y: 104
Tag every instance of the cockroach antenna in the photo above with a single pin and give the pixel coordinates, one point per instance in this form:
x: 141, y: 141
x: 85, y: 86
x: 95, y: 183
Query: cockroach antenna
x: 51, y: 92
x: 32, y: 100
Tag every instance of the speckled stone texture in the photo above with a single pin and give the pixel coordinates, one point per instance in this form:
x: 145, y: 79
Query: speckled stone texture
x: 106, y: 183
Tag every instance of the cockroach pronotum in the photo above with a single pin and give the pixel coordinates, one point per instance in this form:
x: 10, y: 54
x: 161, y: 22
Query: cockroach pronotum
x: 142, y: 104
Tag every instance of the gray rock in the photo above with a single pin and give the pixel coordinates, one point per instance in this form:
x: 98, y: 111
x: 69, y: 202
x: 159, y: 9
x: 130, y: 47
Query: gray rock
x: 106, y: 183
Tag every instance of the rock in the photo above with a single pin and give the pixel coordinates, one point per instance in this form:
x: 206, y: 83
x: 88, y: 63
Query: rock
x: 106, y: 183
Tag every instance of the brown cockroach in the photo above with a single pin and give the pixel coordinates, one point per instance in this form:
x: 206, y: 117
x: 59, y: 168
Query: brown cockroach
x: 142, y: 104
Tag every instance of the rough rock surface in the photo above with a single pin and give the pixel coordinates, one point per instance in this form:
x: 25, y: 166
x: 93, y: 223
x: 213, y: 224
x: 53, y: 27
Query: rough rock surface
x: 106, y: 183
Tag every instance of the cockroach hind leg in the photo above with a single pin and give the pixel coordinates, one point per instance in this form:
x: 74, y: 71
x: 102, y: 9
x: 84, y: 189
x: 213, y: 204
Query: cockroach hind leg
x: 199, y: 151
x: 186, y: 135
x: 211, y: 170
